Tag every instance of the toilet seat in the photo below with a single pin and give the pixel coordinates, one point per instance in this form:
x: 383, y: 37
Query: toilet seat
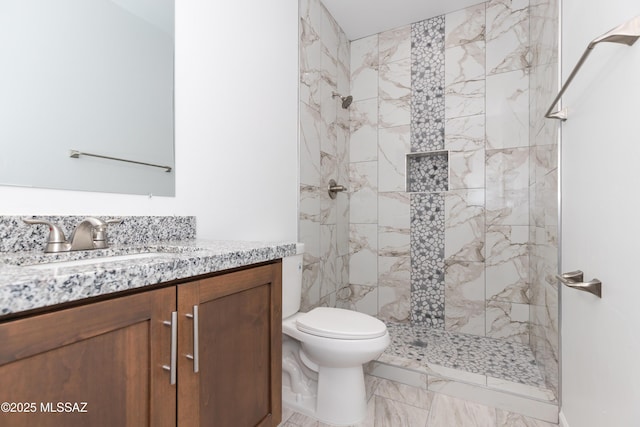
x: 338, y: 323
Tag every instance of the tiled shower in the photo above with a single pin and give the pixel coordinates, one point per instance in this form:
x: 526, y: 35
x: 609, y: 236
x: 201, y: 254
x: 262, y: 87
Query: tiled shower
x: 448, y: 231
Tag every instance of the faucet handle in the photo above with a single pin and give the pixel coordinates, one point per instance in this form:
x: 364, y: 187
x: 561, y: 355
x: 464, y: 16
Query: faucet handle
x: 56, y: 238
x: 100, y: 231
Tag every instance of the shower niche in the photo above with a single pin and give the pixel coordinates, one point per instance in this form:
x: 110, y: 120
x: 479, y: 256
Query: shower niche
x: 427, y: 172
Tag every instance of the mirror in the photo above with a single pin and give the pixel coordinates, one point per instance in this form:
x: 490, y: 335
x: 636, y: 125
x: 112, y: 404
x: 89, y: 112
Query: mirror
x: 95, y: 76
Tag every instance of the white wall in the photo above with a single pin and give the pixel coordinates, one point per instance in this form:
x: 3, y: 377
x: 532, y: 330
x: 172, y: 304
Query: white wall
x: 236, y: 128
x: 601, y: 226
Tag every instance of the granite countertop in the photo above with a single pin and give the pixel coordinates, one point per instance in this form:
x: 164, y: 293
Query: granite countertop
x: 25, y: 288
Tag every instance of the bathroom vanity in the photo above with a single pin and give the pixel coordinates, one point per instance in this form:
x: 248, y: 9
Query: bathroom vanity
x: 190, y: 335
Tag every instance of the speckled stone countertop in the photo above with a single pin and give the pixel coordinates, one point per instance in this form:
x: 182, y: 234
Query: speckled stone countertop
x: 24, y: 288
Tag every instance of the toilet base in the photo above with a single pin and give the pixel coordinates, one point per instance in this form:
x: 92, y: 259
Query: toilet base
x: 340, y: 399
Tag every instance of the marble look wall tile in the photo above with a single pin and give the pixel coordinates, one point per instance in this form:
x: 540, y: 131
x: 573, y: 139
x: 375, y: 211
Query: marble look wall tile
x: 310, y: 56
x: 393, y: 144
x: 507, y: 110
x: 363, y: 259
x: 543, y: 87
x: 328, y: 206
x: 394, y: 81
x: 508, y: 321
x: 464, y: 225
x: 309, y: 222
x: 330, y: 32
x: 342, y: 133
x: 466, y: 169
x: 449, y: 411
x: 394, y: 211
x: 342, y: 202
x: 427, y: 83
x: 395, y: 44
x: 328, y: 106
x: 544, y: 17
x: 363, y: 143
x: 508, y: 263
x: 342, y: 269
x: 363, y: 193
x: 544, y: 338
x: 394, y: 112
x: 394, y: 290
x: 309, y: 145
x: 509, y: 207
x: 465, y: 26
x: 310, y: 286
x: 394, y: 242
x: 464, y: 99
x: 464, y: 63
x: 464, y: 295
x: 328, y: 261
x: 465, y: 133
x: 311, y: 11
x: 507, y: 35
x: 360, y: 298
x: 344, y: 63
x: 394, y: 94
x: 543, y: 159
x: 364, y: 68
x: 508, y: 169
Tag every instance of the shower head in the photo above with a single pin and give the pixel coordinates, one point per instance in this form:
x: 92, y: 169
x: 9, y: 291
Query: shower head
x: 627, y: 33
x: 346, y: 100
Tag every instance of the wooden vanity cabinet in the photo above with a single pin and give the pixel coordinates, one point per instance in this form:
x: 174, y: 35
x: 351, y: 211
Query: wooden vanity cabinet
x: 238, y: 382
x: 105, y: 363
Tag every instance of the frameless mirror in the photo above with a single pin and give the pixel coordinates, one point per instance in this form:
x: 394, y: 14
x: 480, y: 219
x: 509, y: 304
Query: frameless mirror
x: 91, y: 76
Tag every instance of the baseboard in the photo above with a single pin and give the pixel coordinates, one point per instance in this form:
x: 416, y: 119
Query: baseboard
x: 563, y: 420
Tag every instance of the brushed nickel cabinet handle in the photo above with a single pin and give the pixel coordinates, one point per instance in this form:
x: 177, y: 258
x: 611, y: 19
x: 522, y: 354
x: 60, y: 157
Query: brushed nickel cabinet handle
x: 196, y: 346
x: 174, y: 347
x: 575, y: 280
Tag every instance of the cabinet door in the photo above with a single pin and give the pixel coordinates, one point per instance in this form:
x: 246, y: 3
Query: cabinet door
x: 240, y: 347
x: 93, y: 365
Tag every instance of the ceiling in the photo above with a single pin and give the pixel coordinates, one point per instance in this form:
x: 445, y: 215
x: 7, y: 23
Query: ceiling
x: 361, y: 18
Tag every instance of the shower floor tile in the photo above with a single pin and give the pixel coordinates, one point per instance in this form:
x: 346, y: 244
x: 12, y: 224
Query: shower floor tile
x: 418, y: 346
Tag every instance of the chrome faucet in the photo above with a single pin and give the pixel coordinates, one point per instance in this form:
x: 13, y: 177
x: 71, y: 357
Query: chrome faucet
x: 90, y: 234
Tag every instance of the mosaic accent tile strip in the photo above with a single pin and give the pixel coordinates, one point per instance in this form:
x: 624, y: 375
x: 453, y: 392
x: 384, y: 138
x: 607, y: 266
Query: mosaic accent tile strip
x: 427, y: 84
x: 428, y: 172
x: 481, y: 355
x: 15, y: 235
x: 427, y: 259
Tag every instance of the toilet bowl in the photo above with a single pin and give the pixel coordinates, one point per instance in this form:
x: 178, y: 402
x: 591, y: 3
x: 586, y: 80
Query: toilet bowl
x: 323, y: 355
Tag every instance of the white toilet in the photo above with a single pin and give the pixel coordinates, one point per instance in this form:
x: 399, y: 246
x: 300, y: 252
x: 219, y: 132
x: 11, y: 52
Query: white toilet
x: 323, y: 352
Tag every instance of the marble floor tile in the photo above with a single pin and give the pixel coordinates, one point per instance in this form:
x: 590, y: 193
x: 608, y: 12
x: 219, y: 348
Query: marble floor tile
x: 443, y: 411
x: 414, y: 396
x: 449, y: 411
x: 510, y: 419
x: 391, y: 413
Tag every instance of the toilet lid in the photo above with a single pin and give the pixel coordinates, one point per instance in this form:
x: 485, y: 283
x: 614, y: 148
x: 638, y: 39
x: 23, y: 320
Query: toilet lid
x: 340, y: 324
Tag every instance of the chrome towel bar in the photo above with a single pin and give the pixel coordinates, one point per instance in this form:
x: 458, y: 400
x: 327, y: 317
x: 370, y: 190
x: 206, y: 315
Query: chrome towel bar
x: 76, y: 154
x: 627, y: 33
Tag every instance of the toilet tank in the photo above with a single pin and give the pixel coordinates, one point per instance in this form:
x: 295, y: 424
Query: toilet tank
x: 292, y: 282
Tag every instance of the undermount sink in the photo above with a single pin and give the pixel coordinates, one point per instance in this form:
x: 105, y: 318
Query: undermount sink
x: 98, y: 260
